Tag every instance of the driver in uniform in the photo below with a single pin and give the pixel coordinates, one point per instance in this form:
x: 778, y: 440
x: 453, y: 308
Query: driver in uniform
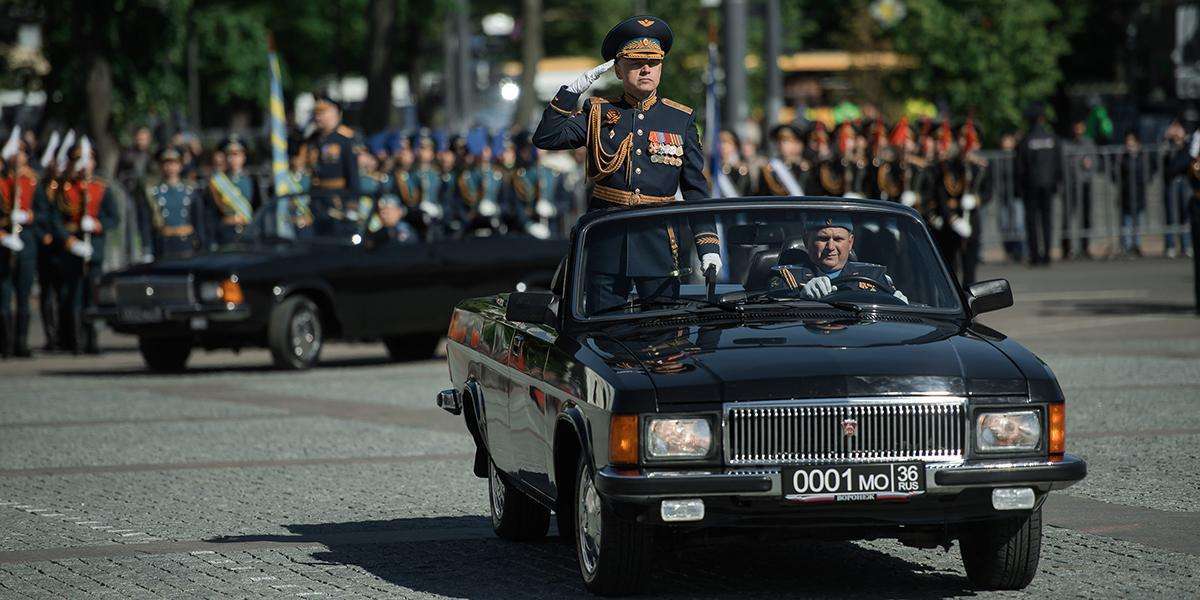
x: 641, y: 150
x: 829, y: 240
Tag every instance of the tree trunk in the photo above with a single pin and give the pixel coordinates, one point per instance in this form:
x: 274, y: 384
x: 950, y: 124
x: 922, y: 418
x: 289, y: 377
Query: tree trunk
x: 99, y: 91
x: 381, y: 19
x: 531, y: 53
x: 416, y: 15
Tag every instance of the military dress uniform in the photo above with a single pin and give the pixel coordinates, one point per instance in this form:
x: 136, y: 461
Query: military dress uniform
x: 75, y: 199
x: 172, y: 216
x: 796, y: 267
x: 640, y: 152
x: 783, y: 176
x: 231, y: 201
x: 22, y: 214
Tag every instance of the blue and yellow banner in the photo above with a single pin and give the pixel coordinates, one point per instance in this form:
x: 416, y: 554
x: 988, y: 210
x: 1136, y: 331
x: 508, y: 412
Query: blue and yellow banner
x: 285, y: 183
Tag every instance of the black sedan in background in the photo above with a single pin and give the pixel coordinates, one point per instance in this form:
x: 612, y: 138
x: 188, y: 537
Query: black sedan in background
x: 297, y: 279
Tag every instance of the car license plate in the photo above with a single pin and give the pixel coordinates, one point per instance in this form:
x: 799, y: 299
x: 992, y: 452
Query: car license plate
x: 141, y: 315
x: 847, y: 483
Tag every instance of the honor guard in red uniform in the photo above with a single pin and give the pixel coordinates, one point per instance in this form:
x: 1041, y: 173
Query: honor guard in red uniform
x: 642, y: 149
x: 83, y: 212
x: 22, y: 212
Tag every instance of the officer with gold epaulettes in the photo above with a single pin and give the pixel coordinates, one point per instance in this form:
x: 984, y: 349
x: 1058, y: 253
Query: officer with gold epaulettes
x: 331, y: 160
x: 641, y: 149
x: 172, y: 215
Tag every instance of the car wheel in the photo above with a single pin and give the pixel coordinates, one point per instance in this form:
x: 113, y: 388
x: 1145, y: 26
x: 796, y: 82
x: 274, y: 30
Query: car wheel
x: 295, y: 333
x: 165, y: 355
x: 414, y: 346
x: 613, y: 553
x: 515, y: 516
x: 1003, y: 555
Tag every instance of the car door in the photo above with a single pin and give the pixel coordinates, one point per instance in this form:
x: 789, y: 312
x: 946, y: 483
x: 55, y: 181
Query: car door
x: 530, y: 414
x: 391, y: 284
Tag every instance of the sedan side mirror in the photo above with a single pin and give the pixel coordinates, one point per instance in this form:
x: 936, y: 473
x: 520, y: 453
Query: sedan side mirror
x: 536, y: 308
x: 990, y: 295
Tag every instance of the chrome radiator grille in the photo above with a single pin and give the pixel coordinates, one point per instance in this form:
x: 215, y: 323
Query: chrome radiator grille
x: 158, y: 290
x: 766, y: 433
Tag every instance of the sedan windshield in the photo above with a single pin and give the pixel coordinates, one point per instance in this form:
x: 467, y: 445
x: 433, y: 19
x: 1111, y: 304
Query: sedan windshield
x: 844, y: 257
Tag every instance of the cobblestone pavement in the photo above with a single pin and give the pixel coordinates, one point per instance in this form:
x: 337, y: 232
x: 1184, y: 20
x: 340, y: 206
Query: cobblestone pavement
x: 237, y: 481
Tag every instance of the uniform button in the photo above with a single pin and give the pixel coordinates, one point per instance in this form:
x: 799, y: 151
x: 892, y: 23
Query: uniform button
x: 638, y: 170
x: 639, y: 132
x: 638, y: 152
x: 641, y: 116
x: 637, y: 190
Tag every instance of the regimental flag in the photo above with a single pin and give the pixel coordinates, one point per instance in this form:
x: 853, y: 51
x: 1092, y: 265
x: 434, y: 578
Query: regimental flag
x: 285, y: 183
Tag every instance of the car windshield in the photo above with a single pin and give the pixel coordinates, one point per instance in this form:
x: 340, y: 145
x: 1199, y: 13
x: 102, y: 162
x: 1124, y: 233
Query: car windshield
x: 840, y: 255
x: 313, y: 217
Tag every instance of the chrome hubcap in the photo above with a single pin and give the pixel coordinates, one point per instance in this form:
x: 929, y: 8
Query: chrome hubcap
x: 588, y: 522
x: 305, y: 334
x: 496, y: 487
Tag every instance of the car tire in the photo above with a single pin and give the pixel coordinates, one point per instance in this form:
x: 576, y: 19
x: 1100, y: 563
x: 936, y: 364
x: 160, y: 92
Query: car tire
x: 413, y: 346
x: 613, y: 553
x: 515, y: 516
x: 1003, y: 554
x: 165, y: 355
x: 295, y: 334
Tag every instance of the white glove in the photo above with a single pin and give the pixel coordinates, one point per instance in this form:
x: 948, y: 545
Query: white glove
x: 544, y: 209
x: 854, y: 195
x: 585, y: 81
x: 908, y: 198
x: 962, y: 227
x: 80, y: 249
x: 538, y: 230
x: 818, y: 287
x: 901, y: 296
x: 20, y: 217
x: 711, y: 259
x: 488, y: 208
x: 88, y: 224
x: 433, y: 209
x: 12, y: 242
x: 970, y: 201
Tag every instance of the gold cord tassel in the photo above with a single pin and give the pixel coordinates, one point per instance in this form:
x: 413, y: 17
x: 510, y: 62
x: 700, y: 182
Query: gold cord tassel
x: 603, y: 163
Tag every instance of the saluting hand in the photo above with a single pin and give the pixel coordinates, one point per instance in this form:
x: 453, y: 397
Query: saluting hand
x: 585, y: 81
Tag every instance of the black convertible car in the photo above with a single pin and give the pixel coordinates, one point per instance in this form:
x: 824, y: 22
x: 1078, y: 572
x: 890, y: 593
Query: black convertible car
x: 297, y: 278
x: 830, y: 381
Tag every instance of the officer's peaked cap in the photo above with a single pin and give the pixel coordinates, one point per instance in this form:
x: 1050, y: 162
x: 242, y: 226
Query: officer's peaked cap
x: 820, y: 221
x: 644, y: 36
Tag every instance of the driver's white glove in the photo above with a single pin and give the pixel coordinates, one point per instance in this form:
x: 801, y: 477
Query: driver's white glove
x: 818, y: 287
x: 901, y: 296
x: 20, y: 217
x: 80, y: 249
x: 88, y: 224
x: 12, y: 242
x: 962, y: 227
x: 711, y: 259
x: 585, y: 81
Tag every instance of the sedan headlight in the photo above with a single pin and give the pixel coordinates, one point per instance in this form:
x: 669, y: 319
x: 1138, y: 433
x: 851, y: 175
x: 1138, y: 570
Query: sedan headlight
x: 1008, y: 430
x: 228, y: 291
x: 210, y: 291
x: 106, y: 294
x: 679, y: 438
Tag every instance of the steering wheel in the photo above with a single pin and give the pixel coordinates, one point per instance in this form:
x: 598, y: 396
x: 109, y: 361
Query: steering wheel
x: 878, y: 286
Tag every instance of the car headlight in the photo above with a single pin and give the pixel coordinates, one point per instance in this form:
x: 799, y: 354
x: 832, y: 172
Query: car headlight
x: 679, y: 438
x: 228, y: 291
x: 210, y: 291
x: 1008, y: 430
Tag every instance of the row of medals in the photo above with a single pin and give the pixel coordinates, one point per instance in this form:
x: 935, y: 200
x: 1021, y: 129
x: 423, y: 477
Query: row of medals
x: 666, y: 148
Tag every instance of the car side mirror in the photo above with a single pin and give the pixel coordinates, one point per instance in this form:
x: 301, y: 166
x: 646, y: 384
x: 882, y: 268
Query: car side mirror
x: 536, y: 308
x: 986, y: 296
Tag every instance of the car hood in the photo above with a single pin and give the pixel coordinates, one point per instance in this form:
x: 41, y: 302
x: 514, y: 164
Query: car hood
x: 733, y: 361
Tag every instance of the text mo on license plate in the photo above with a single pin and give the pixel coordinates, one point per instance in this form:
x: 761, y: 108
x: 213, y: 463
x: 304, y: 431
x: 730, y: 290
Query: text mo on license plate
x: 841, y: 483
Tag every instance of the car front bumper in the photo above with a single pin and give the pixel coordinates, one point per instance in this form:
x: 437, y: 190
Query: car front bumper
x: 955, y: 492
x: 173, y: 319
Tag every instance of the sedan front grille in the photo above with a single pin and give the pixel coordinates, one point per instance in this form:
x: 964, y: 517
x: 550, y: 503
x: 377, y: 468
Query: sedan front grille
x: 870, y: 430
x: 157, y: 290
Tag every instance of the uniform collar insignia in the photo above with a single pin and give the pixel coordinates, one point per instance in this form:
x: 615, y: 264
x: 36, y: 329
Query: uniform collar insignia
x: 640, y: 104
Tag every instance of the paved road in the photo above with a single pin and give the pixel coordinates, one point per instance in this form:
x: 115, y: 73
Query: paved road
x: 237, y: 481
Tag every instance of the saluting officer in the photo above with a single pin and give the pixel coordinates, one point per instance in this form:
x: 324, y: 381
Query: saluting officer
x: 641, y: 150
x: 171, y: 217
x: 331, y: 159
x: 21, y: 222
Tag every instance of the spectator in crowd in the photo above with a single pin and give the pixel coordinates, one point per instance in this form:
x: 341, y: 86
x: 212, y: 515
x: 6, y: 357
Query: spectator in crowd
x: 1077, y: 199
x: 136, y: 160
x: 1038, y: 161
x: 1176, y: 190
x: 1011, y: 214
x: 1135, y: 167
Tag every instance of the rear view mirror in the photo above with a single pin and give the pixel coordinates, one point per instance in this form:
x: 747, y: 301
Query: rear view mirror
x: 990, y: 295
x: 755, y: 234
x: 536, y: 308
